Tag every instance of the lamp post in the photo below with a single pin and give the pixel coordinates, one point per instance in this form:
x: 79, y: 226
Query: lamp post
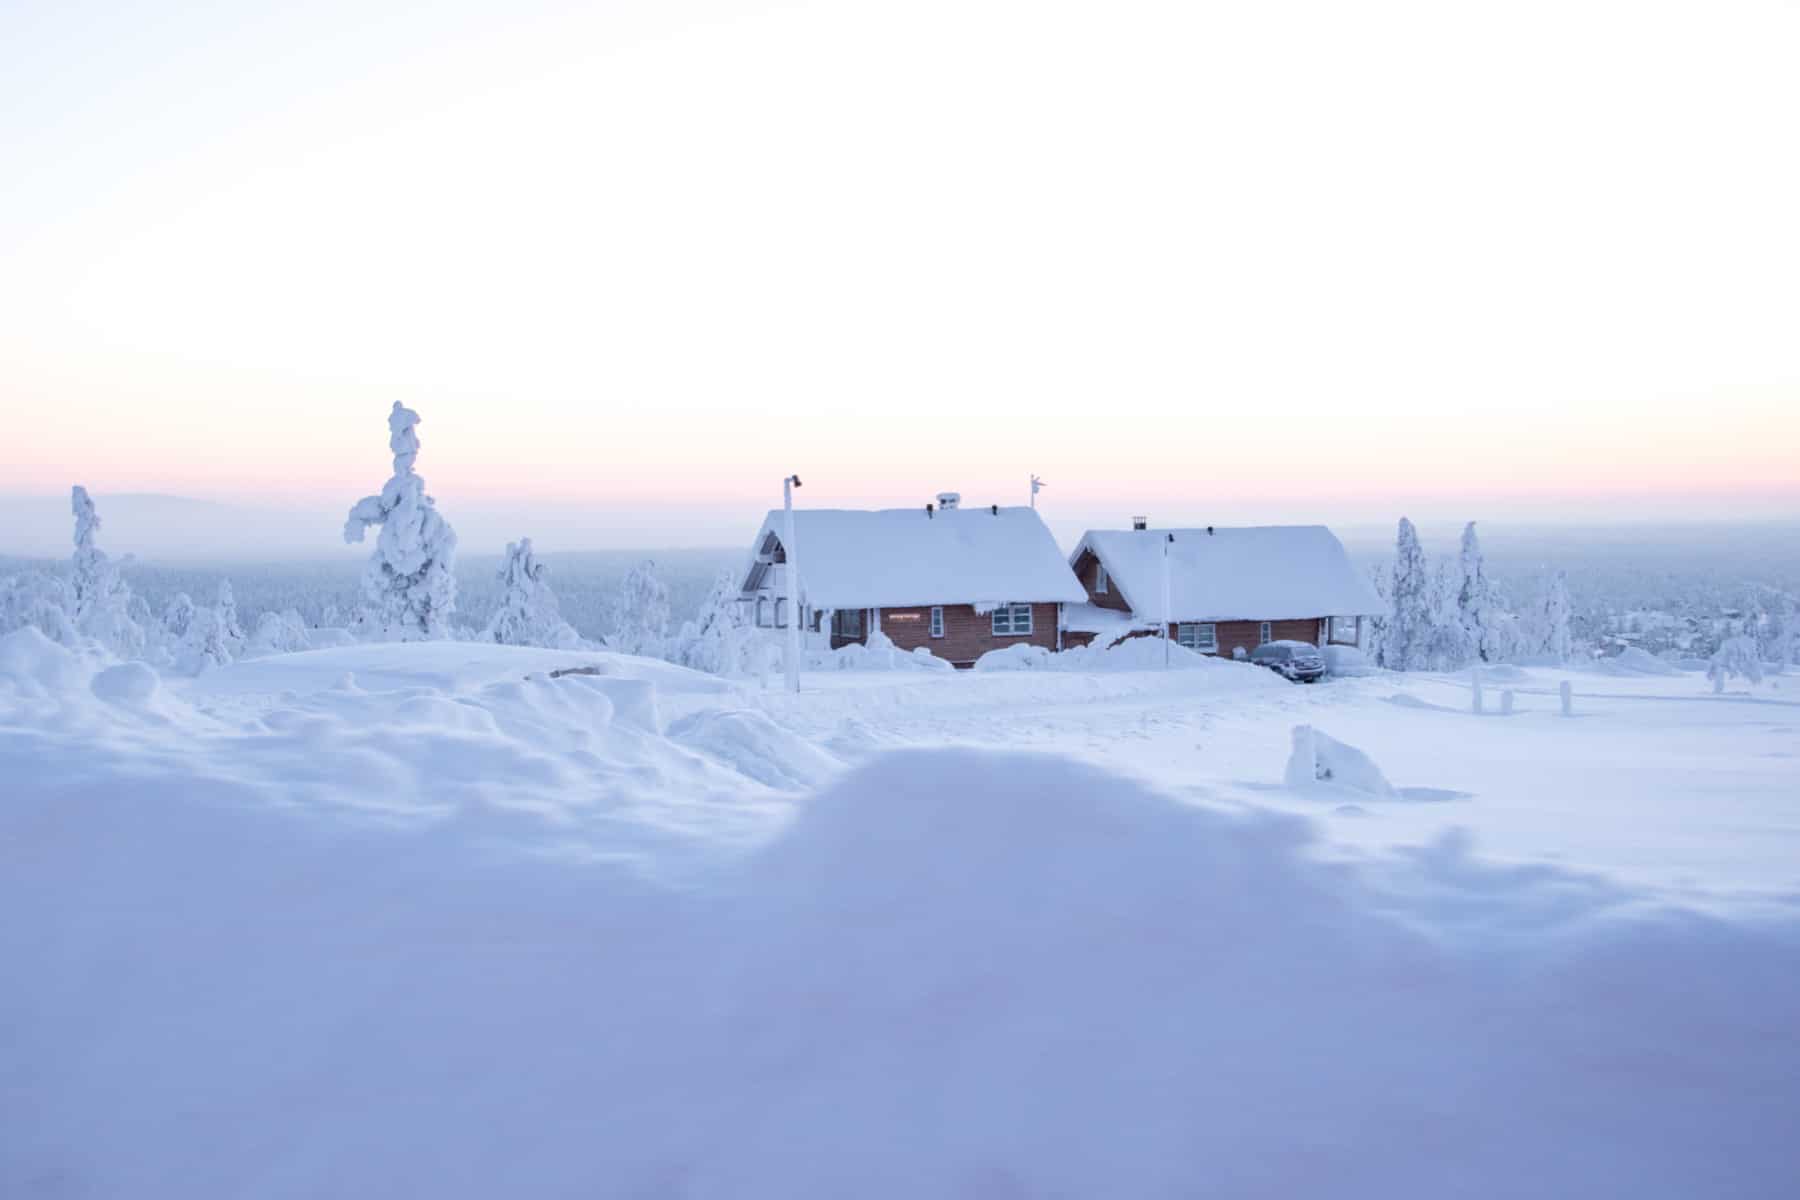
x: 1168, y: 539
x: 793, y: 582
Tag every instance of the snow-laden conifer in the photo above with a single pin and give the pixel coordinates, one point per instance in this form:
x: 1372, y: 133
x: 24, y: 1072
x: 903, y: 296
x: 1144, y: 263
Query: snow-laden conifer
x: 527, y: 614
x: 1409, y: 631
x: 641, y: 616
x: 715, y: 640
x: 101, y: 598
x: 43, y: 601
x: 1477, y: 604
x: 409, y: 588
x: 1551, y: 624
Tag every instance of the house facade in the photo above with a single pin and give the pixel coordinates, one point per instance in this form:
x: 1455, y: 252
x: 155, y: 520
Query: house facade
x: 954, y: 581
x: 1221, y: 591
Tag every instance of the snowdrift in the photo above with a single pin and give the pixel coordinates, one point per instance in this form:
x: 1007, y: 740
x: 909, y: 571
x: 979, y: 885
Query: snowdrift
x: 1132, y: 654
x: 489, y: 939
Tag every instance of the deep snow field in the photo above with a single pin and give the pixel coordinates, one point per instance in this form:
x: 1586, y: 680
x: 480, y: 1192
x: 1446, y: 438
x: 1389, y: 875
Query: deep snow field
x: 423, y: 920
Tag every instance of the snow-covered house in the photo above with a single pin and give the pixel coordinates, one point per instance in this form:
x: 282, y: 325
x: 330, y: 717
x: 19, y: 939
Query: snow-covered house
x: 1228, y: 589
x: 957, y: 581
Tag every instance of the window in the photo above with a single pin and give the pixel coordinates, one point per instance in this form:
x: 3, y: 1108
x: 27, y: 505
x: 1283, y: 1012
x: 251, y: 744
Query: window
x: 1012, y: 620
x: 758, y: 573
x: 1099, y: 578
x: 1343, y: 629
x: 1201, y: 636
x: 762, y: 612
x: 937, y: 620
x: 781, y: 613
x: 1264, y: 635
x: 847, y: 623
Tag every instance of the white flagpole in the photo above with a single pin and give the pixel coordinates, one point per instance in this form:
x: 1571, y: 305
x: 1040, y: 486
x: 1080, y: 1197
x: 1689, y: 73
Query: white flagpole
x: 1167, y: 538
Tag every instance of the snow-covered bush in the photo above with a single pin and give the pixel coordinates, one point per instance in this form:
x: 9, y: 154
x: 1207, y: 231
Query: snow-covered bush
x: 527, y: 614
x: 641, y: 617
x: 1736, y: 658
x: 409, y: 589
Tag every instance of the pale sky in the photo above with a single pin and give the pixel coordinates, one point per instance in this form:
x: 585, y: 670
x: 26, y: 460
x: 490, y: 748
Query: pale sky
x: 1228, y: 262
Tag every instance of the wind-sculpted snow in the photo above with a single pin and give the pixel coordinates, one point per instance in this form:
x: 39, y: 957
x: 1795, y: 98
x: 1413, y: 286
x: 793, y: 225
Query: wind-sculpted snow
x: 463, y: 930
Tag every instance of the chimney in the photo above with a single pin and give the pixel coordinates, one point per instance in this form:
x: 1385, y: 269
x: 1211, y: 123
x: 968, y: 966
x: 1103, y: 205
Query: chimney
x: 1209, y: 531
x: 1140, y: 523
x: 928, y: 510
x: 949, y: 500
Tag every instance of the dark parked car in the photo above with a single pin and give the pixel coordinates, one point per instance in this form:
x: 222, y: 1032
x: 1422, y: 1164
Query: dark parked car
x: 1300, y: 662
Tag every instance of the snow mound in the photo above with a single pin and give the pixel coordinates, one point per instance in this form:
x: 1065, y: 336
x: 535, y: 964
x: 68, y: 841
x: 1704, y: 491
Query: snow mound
x: 1019, y: 657
x: 753, y: 745
x: 34, y: 667
x: 1132, y: 654
x: 1635, y: 660
x: 1319, y: 759
x: 1348, y: 661
x: 880, y: 654
x: 128, y: 685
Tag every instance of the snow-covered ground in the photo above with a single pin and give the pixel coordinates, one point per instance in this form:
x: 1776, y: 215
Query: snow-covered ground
x: 424, y: 919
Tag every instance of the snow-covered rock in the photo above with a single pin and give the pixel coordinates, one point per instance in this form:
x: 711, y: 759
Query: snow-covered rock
x: 1317, y: 758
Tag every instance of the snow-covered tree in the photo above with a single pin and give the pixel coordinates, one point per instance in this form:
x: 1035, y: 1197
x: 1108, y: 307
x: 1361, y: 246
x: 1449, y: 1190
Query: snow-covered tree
x: 281, y: 632
x: 1736, y: 656
x: 178, y: 615
x: 1375, y: 632
x: 1477, y: 604
x: 1409, y: 632
x: 42, y: 601
x: 102, y: 601
x: 213, y: 636
x: 409, y: 588
x: 528, y: 614
x: 641, y: 617
x: 715, y: 641
x: 1550, y: 635
x: 1451, y: 647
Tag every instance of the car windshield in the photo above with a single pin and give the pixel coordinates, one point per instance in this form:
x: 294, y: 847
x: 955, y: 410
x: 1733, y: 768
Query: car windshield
x: 1278, y: 653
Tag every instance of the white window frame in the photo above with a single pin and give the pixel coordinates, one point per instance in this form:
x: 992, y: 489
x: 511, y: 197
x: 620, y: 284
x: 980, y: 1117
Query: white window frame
x: 1012, y: 615
x: 937, y: 620
x: 1265, y: 632
x: 1188, y: 633
x: 1335, y: 628
x: 1099, y: 578
x: 843, y: 615
x: 781, y: 612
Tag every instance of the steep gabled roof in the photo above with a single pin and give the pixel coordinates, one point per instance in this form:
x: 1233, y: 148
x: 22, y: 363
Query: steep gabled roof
x: 899, y: 557
x: 1258, y: 573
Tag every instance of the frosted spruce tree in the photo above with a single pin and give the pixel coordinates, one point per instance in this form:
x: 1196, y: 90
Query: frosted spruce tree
x: 715, y: 640
x: 102, y: 601
x: 641, y: 617
x: 1477, y: 605
x: 1552, y: 635
x: 528, y: 613
x: 409, y: 588
x: 1376, y: 632
x: 1451, y: 646
x: 43, y: 601
x: 1409, y: 631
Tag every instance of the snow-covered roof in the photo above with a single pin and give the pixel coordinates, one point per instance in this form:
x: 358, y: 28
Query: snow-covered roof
x: 899, y: 557
x: 1256, y: 573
